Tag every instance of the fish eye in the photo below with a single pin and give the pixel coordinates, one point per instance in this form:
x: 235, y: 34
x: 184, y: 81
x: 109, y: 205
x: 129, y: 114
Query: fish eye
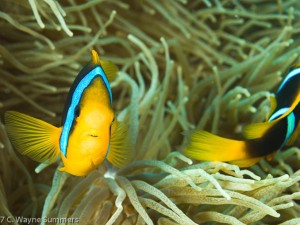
x: 77, y: 111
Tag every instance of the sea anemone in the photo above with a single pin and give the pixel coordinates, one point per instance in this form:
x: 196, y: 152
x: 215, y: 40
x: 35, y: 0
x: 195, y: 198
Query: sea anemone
x: 208, y: 65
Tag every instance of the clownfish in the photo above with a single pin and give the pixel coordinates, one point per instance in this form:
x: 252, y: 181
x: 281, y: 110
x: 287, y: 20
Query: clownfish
x: 89, y: 132
x: 261, y: 139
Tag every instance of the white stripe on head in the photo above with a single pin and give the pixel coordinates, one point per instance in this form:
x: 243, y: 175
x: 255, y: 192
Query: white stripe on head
x: 278, y: 113
x: 291, y: 74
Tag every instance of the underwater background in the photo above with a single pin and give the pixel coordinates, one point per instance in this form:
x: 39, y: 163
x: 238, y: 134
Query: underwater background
x: 184, y: 65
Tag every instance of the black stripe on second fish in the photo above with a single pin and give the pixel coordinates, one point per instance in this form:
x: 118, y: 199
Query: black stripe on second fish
x: 273, y: 139
x: 286, y: 96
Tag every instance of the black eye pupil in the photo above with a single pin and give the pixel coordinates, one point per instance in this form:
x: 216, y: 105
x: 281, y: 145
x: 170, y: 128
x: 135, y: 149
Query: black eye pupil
x: 77, y: 111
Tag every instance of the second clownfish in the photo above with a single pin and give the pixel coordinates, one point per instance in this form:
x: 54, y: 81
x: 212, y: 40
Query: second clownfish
x: 261, y: 139
x: 89, y: 132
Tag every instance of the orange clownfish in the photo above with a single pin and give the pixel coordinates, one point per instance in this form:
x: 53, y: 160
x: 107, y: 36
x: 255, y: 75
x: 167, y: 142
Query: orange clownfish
x: 261, y: 139
x: 89, y: 132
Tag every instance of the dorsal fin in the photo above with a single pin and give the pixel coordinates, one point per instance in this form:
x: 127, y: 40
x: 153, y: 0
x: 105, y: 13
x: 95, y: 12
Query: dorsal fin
x: 257, y: 130
x: 109, y: 68
x: 95, y: 58
x: 273, y: 105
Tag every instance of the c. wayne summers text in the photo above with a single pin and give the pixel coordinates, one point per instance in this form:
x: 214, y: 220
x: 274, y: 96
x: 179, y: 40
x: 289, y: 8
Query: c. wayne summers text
x: 36, y: 220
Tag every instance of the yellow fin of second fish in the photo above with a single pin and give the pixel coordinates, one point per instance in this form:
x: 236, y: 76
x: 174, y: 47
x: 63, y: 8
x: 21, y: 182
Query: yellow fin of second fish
x: 246, y: 162
x: 209, y: 147
x: 273, y: 104
x: 121, y: 148
x: 33, y: 137
x: 109, y: 68
x: 257, y: 130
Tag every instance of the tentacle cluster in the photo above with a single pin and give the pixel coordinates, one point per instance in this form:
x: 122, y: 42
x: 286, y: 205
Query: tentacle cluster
x: 183, y: 65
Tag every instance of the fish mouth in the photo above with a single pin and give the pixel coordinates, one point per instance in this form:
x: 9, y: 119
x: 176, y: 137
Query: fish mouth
x: 94, y: 133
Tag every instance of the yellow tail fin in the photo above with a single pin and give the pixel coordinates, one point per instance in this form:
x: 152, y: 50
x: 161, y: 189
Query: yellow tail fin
x: 209, y: 147
x: 121, y: 148
x: 33, y: 137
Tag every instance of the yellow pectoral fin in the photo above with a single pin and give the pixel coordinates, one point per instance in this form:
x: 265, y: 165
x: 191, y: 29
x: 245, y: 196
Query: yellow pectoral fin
x: 209, y: 147
x: 121, y: 148
x: 33, y: 137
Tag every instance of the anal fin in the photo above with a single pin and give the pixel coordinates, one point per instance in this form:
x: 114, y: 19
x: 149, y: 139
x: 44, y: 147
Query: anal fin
x: 246, y: 162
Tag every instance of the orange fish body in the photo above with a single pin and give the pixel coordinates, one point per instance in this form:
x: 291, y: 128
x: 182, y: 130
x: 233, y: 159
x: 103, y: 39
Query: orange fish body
x: 85, y: 138
x: 91, y: 132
